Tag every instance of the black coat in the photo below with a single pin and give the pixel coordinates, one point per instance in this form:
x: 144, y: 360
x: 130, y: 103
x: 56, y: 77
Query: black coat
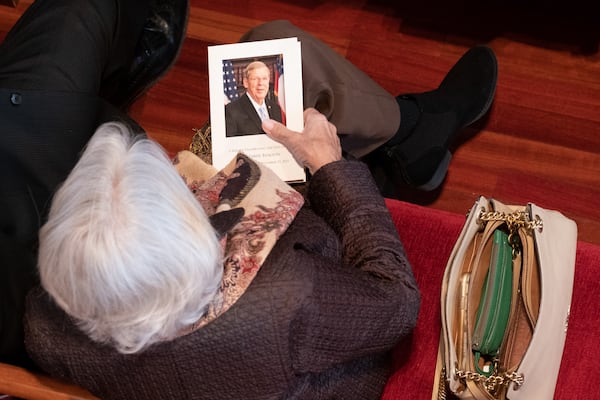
x: 241, y: 117
x: 42, y: 134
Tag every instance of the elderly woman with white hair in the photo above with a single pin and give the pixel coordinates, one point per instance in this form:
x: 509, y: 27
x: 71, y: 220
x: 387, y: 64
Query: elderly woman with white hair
x: 127, y: 250
x: 294, y: 301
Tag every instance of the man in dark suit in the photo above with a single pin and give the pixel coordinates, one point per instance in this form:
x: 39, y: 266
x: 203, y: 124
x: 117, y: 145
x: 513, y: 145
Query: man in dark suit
x: 54, y: 96
x: 245, y: 115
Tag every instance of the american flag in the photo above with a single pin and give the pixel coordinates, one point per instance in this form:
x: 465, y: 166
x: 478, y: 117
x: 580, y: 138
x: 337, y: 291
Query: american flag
x: 229, y: 83
x: 278, y: 88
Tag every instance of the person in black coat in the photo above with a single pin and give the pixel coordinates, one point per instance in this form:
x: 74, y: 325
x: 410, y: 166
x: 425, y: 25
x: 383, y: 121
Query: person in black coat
x: 66, y: 66
x: 243, y: 116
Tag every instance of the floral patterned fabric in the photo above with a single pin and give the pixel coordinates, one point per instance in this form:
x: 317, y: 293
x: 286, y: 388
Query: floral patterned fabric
x: 266, y: 207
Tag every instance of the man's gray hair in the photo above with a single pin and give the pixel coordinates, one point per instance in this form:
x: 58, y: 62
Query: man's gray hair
x: 127, y: 250
x: 252, y: 66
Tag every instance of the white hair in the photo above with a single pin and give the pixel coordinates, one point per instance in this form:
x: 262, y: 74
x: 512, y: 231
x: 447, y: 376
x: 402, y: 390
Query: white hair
x: 127, y: 250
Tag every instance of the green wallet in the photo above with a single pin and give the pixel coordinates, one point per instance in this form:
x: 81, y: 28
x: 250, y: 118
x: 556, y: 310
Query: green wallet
x: 494, y: 306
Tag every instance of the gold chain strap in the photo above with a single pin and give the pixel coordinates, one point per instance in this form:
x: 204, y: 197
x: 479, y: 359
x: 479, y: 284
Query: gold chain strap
x: 514, y: 220
x: 493, y: 382
x: 442, y: 385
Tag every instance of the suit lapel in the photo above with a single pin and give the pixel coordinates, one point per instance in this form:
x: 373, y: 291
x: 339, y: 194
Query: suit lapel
x: 251, y: 112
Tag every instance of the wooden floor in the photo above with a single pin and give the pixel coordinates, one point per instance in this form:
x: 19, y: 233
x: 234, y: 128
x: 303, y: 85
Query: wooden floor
x: 539, y: 143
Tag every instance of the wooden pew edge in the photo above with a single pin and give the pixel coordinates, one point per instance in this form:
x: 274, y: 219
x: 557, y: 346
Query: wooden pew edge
x: 20, y: 382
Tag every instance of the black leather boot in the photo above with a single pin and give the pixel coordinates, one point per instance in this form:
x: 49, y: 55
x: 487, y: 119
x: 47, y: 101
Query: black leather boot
x: 420, y: 157
x: 157, y: 50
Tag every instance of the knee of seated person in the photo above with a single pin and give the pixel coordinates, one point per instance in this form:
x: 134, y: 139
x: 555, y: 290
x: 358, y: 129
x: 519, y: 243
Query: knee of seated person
x: 271, y: 30
x: 127, y: 250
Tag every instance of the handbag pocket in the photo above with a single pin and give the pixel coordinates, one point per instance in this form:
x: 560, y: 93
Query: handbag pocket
x: 494, y: 306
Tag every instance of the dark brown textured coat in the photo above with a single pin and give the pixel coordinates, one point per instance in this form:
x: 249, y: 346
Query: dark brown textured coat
x: 334, y: 296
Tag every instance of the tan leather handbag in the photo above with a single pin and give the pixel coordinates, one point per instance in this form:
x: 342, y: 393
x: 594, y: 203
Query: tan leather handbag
x: 505, y: 303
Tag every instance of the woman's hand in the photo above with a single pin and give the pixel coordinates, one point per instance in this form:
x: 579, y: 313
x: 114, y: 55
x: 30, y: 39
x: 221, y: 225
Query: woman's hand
x: 318, y: 144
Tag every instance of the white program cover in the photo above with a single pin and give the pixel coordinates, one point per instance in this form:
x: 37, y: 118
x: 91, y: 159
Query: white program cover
x: 225, y: 63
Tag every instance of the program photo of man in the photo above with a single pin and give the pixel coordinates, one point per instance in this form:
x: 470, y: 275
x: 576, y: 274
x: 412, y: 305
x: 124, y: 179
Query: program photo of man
x: 259, y: 97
